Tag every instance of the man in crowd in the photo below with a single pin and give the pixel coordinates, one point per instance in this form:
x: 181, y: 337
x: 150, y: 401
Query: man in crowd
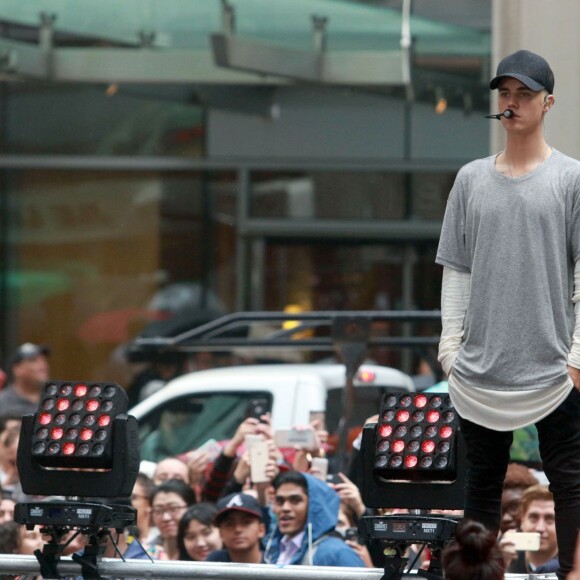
x: 171, y: 468
x: 29, y: 371
x: 306, y: 509
x: 537, y: 515
x: 239, y: 519
x: 518, y: 478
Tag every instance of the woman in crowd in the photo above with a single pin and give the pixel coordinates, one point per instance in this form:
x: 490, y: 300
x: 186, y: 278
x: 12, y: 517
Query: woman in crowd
x: 473, y: 553
x: 169, y: 501
x: 197, y: 536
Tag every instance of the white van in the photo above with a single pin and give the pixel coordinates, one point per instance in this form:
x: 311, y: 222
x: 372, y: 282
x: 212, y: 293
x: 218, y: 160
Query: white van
x: 204, y: 405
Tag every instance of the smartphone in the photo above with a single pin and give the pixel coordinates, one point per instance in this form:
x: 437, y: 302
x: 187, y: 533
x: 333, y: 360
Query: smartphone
x: 259, y: 455
x: 319, y: 467
x: 333, y: 478
x: 250, y: 439
x: 524, y: 541
x: 257, y: 407
x: 212, y: 448
x: 351, y: 534
x: 290, y: 437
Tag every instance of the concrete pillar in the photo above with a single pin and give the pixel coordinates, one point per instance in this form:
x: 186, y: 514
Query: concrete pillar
x: 550, y: 29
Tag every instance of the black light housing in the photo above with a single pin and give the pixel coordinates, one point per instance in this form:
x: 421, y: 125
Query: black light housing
x: 414, y: 457
x: 80, y: 442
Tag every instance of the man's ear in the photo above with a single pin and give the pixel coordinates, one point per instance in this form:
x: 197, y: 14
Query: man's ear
x: 548, y: 102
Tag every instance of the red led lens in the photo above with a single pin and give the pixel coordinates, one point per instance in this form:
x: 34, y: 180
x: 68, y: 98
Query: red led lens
x: 431, y: 431
x: 433, y: 416
x: 81, y: 390
x: 83, y: 449
x: 446, y: 432
x: 102, y: 434
x: 86, y: 434
x: 411, y: 461
x: 65, y: 390
x: 385, y: 430
x: 389, y: 415
x: 436, y: 401
x: 104, y: 420
x: 418, y: 416
x: 68, y: 448
x: 92, y: 405
x: 428, y: 446
x: 48, y: 404
x: 60, y: 419
x: 398, y: 446
x: 38, y: 448
x: 44, y: 418
x: 400, y: 431
x: 72, y: 434
x: 448, y: 416
x: 382, y: 446
x: 403, y: 416
x: 56, y: 433
x: 420, y: 401
x: 413, y: 446
x: 405, y: 401
x: 77, y: 405
x: 62, y: 404
x: 74, y: 419
x: 89, y: 420
x: 415, y: 431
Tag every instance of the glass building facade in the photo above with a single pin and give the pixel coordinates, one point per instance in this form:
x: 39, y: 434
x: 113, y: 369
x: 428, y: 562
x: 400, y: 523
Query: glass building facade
x: 122, y: 204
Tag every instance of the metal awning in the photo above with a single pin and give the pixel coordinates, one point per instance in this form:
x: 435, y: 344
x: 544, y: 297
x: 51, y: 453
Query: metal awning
x: 225, y: 41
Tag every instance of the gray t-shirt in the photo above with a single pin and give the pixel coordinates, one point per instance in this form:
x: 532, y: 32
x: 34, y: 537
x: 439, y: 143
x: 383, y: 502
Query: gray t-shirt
x: 518, y: 238
x: 11, y: 403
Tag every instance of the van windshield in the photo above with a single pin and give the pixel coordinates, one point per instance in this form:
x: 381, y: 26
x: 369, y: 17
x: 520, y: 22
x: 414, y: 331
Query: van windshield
x: 186, y: 423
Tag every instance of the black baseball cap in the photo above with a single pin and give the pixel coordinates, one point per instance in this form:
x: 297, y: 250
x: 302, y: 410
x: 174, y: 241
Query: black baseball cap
x: 528, y: 68
x: 242, y: 502
x: 28, y: 351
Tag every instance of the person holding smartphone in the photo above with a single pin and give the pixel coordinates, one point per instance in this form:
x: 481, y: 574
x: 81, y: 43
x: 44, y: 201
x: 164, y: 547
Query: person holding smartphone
x: 537, y: 515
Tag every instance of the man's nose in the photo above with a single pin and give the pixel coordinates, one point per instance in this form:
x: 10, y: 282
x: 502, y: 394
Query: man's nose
x: 540, y: 525
x: 512, y: 101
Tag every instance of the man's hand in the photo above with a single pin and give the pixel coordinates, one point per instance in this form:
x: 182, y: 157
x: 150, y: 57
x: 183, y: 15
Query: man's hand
x: 574, y: 374
x: 508, y: 550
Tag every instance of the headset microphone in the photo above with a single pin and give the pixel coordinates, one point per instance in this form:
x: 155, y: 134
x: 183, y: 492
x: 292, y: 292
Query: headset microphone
x: 508, y: 114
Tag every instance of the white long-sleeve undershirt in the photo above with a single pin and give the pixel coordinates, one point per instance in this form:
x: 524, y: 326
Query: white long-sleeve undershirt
x: 498, y: 409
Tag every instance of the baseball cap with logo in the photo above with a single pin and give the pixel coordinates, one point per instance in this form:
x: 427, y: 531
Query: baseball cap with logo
x: 528, y: 68
x: 242, y: 502
x: 28, y: 351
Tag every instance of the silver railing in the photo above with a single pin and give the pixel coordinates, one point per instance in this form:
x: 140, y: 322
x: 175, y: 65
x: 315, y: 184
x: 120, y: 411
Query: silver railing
x: 141, y: 569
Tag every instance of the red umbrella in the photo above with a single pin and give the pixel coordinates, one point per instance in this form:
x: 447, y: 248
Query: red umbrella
x: 116, y: 325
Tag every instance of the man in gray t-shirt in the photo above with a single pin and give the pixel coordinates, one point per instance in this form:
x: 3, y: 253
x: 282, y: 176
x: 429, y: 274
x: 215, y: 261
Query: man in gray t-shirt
x: 510, y: 344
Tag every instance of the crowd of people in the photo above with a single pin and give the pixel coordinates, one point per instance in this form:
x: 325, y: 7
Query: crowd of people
x: 197, y: 508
